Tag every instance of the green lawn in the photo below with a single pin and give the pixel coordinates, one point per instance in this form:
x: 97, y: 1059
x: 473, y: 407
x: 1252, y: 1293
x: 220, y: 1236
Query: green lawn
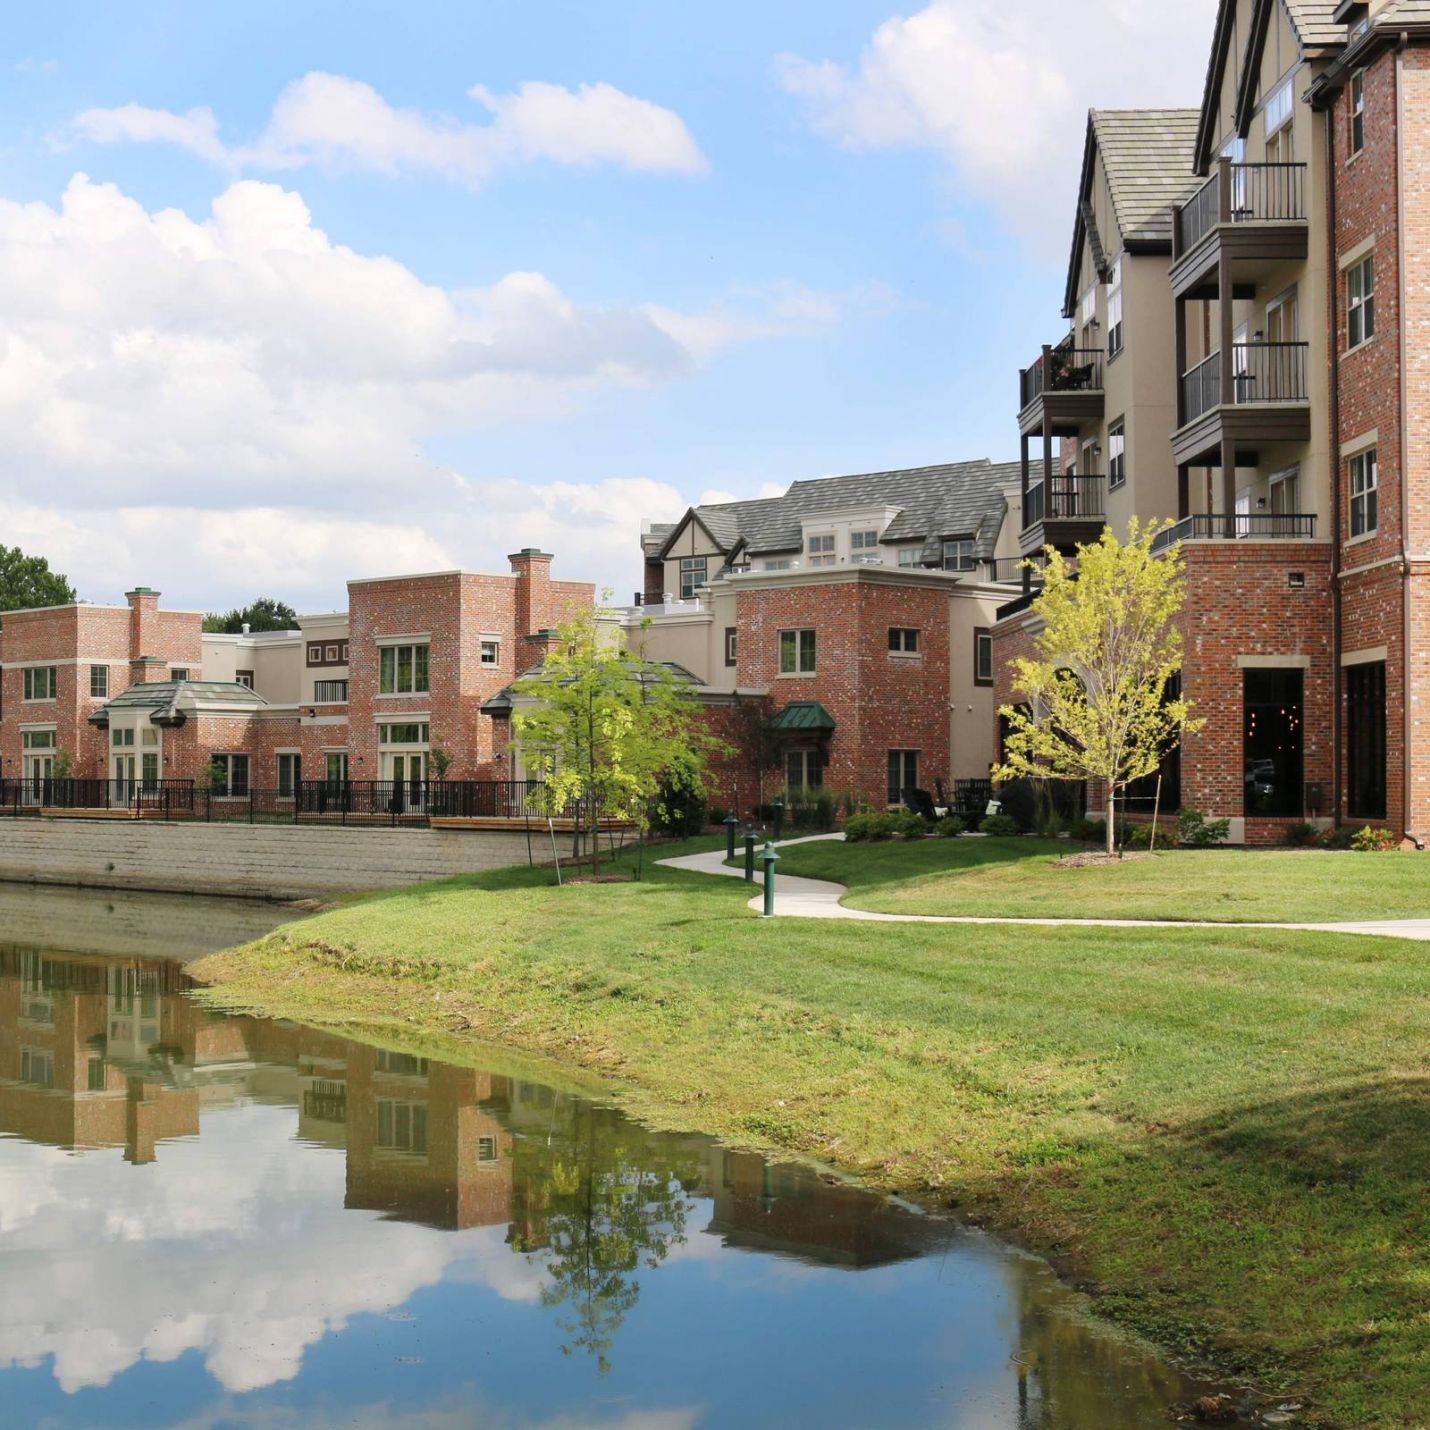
x: 1225, y: 1134
x: 1015, y: 877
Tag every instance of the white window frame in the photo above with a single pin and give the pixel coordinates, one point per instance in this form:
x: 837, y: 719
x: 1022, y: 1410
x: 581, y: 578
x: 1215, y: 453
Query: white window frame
x: 1114, y: 310
x: 491, y: 651
x: 804, y: 652
x: 295, y: 759
x: 1360, y: 302
x: 820, y: 549
x: 694, y: 573
x: 99, y: 674
x: 31, y: 739
x: 32, y: 683
x: 910, y: 555
x: 392, y: 654
x: 864, y: 540
x: 957, y: 545
x: 1116, y: 454
x: 904, y: 640
x: 1357, y: 113
x: 1283, y: 99
x: 1363, y: 477
x: 908, y: 761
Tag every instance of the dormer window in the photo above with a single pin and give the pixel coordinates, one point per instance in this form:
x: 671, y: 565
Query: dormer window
x: 693, y: 574
x: 820, y: 550
x: 958, y: 554
x: 863, y: 540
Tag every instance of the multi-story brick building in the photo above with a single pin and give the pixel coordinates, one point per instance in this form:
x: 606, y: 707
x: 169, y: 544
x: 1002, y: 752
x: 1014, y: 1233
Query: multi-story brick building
x: 1257, y: 385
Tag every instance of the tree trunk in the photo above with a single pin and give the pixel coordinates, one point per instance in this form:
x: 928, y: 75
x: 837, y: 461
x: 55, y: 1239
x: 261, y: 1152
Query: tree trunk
x: 1111, y: 822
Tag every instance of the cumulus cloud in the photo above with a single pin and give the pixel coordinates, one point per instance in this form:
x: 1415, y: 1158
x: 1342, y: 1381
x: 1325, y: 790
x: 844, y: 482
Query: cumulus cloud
x: 343, y: 123
x: 1001, y: 92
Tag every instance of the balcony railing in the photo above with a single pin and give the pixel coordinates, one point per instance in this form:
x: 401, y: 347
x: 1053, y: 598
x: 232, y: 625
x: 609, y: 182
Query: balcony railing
x: 1064, y: 499
x: 1061, y: 369
x: 1010, y: 570
x: 1239, y: 526
x: 1261, y: 373
x: 1242, y: 193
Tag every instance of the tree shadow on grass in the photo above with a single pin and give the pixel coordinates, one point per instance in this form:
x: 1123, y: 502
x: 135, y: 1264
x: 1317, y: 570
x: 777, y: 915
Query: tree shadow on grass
x: 868, y: 868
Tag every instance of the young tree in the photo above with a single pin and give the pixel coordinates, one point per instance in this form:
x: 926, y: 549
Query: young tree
x: 27, y: 581
x: 609, y: 732
x: 264, y: 614
x: 1096, y: 692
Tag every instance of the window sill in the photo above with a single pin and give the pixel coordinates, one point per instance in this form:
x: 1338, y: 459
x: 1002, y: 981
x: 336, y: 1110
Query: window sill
x: 983, y: 684
x: 1360, y: 347
x: 402, y: 695
x: 1363, y: 537
x: 797, y: 675
x: 908, y: 657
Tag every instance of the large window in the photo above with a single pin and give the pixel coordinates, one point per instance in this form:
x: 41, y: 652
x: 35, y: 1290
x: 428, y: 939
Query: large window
x: 1357, y: 111
x: 958, y: 554
x: 804, y: 769
x: 1117, y: 453
x: 1114, y: 311
x: 1360, y: 301
x: 230, y: 775
x: 335, y: 764
x: 1365, y: 492
x: 37, y: 739
x: 693, y: 572
x: 40, y: 682
x: 402, y: 1126
x: 982, y: 656
x: 1365, y: 740
x: 820, y: 550
x: 903, y: 773
x: 1272, y: 742
x: 797, y: 652
x: 290, y: 772
x: 413, y: 732
x: 402, y: 670
x: 37, y: 1067
x: 99, y: 682
x: 911, y: 555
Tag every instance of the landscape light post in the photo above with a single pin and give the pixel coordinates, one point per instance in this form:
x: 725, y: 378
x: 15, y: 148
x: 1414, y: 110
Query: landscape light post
x: 730, y: 823
x: 768, y: 858
x: 749, y: 856
x: 779, y: 813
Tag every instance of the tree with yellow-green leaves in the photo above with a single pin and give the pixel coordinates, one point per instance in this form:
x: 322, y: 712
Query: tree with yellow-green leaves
x: 1095, y: 701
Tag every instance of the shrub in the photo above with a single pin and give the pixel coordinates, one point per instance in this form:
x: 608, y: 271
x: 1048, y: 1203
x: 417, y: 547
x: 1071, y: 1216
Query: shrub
x: 869, y: 825
x: 1196, y: 831
x: 999, y: 824
x: 910, y: 825
x: 949, y: 827
x: 1302, y: 836
x: 716, y: 814
x: 1138, y: 836
x: 1089, y: 831
x: 1018, y: 800
x: 1374, y: 841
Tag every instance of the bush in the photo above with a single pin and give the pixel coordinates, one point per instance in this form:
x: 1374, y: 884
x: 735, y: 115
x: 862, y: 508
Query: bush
x: 1089, y: 831
x: 1374, y: 841
x: 949, y: 827
x: 1303, y: 836
x: 1138, y: 836
x: 910, y: 825
x: 1019, y: 801
x: 680, y: 811
x: 1001, y: 825
x: 869, y: 825
x: 1196, y: 831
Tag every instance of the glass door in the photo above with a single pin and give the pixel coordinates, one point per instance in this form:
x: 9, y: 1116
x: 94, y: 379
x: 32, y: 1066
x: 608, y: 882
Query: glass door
x: 39, y: 771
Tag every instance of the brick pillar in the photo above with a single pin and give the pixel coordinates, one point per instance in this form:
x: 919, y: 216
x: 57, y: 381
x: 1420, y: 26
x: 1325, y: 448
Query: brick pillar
x: 532, y: 569
x: 140, y: 1115
x: 143, y: 620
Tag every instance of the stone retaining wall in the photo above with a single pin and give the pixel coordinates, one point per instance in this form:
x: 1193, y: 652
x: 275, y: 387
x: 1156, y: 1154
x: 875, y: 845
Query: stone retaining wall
x: 274, y: 861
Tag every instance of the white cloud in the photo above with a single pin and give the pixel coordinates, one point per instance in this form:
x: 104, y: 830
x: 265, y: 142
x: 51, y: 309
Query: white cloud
x: 1002, y: 92
x: 343, y: 123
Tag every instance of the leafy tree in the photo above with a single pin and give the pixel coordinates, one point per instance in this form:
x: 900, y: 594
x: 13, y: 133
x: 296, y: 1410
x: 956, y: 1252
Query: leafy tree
x: 264, y: 614
x: 1096, y: 696
x: 27, y: 581
x: 610, y: 733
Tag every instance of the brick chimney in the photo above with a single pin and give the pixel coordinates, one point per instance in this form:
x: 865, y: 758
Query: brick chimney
x: 143, y: 627
x: 532, y: 569
x: 141, y: 1114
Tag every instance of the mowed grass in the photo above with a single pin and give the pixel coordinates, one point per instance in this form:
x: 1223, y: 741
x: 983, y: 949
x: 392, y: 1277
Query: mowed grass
x: 1016, y: 878
x: 1224, y: 1134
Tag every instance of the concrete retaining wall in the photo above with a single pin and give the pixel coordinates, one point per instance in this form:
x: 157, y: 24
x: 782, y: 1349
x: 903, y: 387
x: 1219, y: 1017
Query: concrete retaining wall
x: 274, y: 861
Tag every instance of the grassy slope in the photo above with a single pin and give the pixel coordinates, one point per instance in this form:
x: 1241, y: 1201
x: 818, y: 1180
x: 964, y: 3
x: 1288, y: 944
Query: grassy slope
x: 1225, y: 1134
x: 1015, y: 877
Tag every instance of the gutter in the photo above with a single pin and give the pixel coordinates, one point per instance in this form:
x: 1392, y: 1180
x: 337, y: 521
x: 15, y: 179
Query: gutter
x: 1333, y: 287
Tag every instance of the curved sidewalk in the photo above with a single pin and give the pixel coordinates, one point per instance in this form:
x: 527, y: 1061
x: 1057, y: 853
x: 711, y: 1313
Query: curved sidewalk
x: 797, y: 898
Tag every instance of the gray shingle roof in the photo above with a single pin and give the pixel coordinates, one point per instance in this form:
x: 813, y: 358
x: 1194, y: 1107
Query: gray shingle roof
x: 1313, y: 24
x: 1406, y: 12
x: 1148, y: 156
x: 951, y: 499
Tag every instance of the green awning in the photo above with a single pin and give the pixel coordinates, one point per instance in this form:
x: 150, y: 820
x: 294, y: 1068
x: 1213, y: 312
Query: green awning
x: 803, y: 717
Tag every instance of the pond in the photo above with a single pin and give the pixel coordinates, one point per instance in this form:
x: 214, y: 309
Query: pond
x: 223, y: 1221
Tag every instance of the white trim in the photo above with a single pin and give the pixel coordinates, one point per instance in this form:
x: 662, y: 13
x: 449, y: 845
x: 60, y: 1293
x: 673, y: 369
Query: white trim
x: 1363, y: 657
x: 416, y: 638
x: 1273, y: 662
x: 324, y: 720
x: 432, y: 576
x: 1352, y: 256
x: 39, y: 725
x: 1363, y: 443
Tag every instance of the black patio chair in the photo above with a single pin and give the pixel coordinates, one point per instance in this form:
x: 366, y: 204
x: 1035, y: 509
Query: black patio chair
x: 920, y: 802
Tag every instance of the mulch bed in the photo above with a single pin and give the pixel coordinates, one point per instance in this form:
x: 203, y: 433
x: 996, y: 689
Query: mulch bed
x: 1091, y: 860
x: 600, y: 879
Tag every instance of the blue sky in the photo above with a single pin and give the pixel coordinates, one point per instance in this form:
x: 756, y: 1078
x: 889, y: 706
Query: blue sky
x: 666, y: 252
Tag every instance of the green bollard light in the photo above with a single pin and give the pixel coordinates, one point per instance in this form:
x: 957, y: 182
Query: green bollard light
x: 779, y: 813
x: 749, y: 856
x: 731, y: 823
x: 768, y: 858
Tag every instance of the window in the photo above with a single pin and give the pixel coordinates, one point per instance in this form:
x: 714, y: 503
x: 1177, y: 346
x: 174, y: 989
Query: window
x: 230, y: 778
x: 1114, y: 311
x: 330, y: 654
x: 40, y: 682
x: 1365, y: 740
x: 692, y: 574
x: 244, y: 678
x: 315, y: 654
x: 491, y: 652
x: 38, y: 739
x: 958, y: 554
x: 982, y: 656
x: 180, y: 672
x: 37, y: 1066
x: 336, y: 766
x: 781, y: 565
x: 401, y: 1064
x: 99, y: 682
x: 797, y: 652
x: 1087, y: 308
x: 486, y: 1149
x: 804, y: 769
x: 903, y: 773
x: 402, y: 670
x: 412, y: 733
x: 402, y: 1126
x: 149, y: 736
x: 903, y: 640
x: 1271, y: 742
x: 96, y: 1080
x: 863, y: 540
x: 330, y: 692
x: 1357, y: 111
x: 911, y: 555
x: 122, y: 739
x: 1117, y: 453
x: 290, y: 772
x: 1365, y: 485
x: 820, y: 550
x: 1360, y: 302
x: 731, y: 644
x: 1278, y: 109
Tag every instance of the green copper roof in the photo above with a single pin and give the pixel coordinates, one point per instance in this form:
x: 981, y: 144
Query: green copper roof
x: 804, y: 716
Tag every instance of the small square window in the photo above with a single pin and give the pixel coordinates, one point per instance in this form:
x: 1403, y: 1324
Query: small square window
x: 958, y: 554
x: 731, y: 645
x: 180, y: 672
x: 903, y: 640
x: 491, y: 653
x: 863, y: 540
x: 315, y: 655
x: 244, y: 678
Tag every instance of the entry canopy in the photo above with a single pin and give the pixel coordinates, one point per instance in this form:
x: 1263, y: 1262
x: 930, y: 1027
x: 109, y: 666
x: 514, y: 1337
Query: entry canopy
x: 803, y: 717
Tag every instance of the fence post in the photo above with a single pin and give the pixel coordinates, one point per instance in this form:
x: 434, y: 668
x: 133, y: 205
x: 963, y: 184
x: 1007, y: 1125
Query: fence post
x: 749, y: 856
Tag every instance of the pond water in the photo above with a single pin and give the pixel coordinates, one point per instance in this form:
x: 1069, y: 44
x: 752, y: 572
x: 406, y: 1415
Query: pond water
x: 214, y: 1221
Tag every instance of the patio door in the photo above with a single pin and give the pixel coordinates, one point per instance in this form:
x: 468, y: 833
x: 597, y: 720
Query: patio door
x: 406, y: 773
x: 39, y: 770
x: 122, y: 773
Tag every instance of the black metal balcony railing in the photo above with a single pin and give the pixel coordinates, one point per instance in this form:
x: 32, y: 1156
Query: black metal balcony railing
x: 1010, y: 570
x: 1064, y: 498
x: 1241, y: 193
x: 1061, y: 369
x: 1261, y: 373
x: 1239, y: 526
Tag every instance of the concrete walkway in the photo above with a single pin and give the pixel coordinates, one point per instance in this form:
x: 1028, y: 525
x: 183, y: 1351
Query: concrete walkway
x: 797, y: 898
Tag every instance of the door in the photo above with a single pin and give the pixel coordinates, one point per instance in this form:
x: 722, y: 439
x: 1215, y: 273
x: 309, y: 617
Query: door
x: 39, y: 771
x: 150, y: 769
x: 1283, y: 321
x: 405, y: 772
x: 123, y: 776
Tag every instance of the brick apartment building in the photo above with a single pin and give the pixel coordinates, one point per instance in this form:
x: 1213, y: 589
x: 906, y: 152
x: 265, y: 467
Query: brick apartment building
x: 1249, y: 356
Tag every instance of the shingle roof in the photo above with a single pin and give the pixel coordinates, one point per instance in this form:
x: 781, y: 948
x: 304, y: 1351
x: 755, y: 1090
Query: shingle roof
x: 951, y: 499
x: 1148, y: 156
x: 1408, y: 12
x: 807, y: 715
x: 1313, y: 24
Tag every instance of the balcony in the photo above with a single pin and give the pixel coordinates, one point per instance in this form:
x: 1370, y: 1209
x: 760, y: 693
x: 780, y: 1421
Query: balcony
x: 1250, y: 215
x: 1264, y: 397
x: 1065, y: 385
x: 1011, y: 571
x: 1062, y: 511
x: 1239, y: 526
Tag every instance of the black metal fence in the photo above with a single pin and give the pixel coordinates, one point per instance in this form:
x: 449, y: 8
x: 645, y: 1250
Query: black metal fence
x: 1061, y: 369
x: 1241, y: 193
x: 1261, y: 373
x: 1243, y: 526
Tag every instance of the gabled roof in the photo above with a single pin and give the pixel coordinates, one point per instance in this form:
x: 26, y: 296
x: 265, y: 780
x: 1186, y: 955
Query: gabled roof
x: 1315, y: 24
x: 502, y: 702
x: 950, y: 499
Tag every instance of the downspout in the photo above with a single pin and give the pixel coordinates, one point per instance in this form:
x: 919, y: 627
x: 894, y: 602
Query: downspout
x: 1333, y: 288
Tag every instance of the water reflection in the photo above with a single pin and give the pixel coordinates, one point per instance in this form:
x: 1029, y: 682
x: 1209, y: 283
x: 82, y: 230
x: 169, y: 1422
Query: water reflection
x: 307, y: 1216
